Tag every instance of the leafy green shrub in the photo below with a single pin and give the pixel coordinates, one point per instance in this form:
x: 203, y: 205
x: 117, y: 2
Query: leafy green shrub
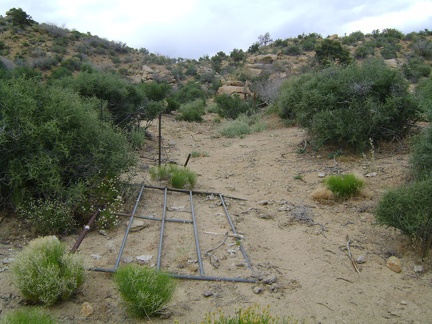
x: 348, y: 106
x: 331, y: 51
x: 250, y: 315
x: 44, y: 272
x: 137, y: 138
x: 172, y: 105
x: 28, y: 315
x: 421, y: 156
x: 144, y: 291
x: 236, y: 128
x: 424, y: 94
x: 177, y: 177
x: 416, y: 68
x: 344, y: 185
x: 231, y: 106
x: 192, y: 111
x: 54, y: 147
x: 408, y: 208
x: 189, y: 92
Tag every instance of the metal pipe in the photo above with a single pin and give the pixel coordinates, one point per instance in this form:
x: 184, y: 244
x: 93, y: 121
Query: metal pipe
x: 187, y: 191
x: 162, y: 231
x: 127, y: 229
x: 175, y: 220
x: 196, y: 236
x: 187, y: 160
x: 210, y: 278
x: 85, y: 231
x: 234, y: 231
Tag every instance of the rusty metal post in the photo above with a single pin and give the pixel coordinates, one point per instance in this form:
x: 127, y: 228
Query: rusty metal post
x: 84, y: 231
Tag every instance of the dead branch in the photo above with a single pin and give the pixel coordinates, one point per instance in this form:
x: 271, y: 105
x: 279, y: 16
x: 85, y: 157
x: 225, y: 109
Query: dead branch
x: 353, y: 262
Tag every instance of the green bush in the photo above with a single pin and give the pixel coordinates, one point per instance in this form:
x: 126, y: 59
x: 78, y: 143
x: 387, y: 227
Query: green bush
x: 231, y: 107
x: 189, y: 92
x: 177, y: 177
x: 416, y: 68
x: 421, y: 156
x: 331, y: 51
x: 236, y: 128
x: 144, y: 291
x: 408, y: 208
x: 348, y: 106
x: 424, y: 94
x: 54, y: 147
x: 28, y: 315
x: 344, y: 185
x: 44, y: 272
x: 192, y: 111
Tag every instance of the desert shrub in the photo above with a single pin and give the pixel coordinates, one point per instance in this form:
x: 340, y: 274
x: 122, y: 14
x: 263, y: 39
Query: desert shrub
x: 422, y: 47
x: 44, y: 272
x: 72, y: 64
x: 331, y: 51
x: 348, y: 106
x: 236, y: 128
x: 293, y: 50
x: 424, y: 94
x: 231, y: 107
x: 344, y: 185
x: 28, y: 315
x: 421, y: 156
x: 54, y: 147
x: 416, y: 68
x: 364, y: 51
x: 408, y: 208
x: 172, y: 105
x: 177, y: 177
x: 144, y: 291
x: 252, y: 314
x: 137, y: 138
x: 155, y: 91
x: 189, y: 92
x: 192, y: 111
x: 59, y: 73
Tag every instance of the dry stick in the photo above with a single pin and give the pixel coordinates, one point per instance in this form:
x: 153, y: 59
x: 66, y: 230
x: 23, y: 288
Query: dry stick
x: 354, y: 263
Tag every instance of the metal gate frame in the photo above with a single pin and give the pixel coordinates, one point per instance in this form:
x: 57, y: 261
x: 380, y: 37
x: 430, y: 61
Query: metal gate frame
x: 133, y: 215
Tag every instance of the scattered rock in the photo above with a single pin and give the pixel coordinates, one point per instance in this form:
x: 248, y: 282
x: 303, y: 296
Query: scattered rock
x: 138, y: 225
x: 8, y: 260
x: 208, y: 293
x: 103, y: 232
x: 418, y: 269
x: 269, y: 280
x: 257, y: 290
x: 321, y: 174
x: 232, y: 252
x: 371, y: 174
x: 394, y: 264
x: 144, y: 258
x: 96, y: 256
x: 403, y: 302
x: 361, y: 259
x: 263, y: 202
x: 240, y: 264
x: 128, y: 259
x: 87, y: 309
x: 274, y: 287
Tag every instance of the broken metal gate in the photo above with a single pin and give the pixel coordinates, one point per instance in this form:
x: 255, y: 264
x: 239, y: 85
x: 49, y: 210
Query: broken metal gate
x: 193, y: 222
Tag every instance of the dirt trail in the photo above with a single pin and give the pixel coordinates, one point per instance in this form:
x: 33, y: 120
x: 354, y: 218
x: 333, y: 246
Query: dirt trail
x: 289, y: 238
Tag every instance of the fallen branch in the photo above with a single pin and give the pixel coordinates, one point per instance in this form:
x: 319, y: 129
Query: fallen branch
x: 353, y: 262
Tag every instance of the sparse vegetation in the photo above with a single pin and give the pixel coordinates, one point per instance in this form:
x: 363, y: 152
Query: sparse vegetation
x: 344, y: 185
x: 144, y: 291
x: 44, y: 272
x: 27, y: 315
x: 176, y: 176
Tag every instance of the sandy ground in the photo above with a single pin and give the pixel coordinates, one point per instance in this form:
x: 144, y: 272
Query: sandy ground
x: 296, y: 246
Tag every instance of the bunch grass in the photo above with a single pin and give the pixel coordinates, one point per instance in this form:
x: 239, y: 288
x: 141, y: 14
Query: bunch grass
x: 177, y: 177
x: 344, y: 185
x: 28, y: 315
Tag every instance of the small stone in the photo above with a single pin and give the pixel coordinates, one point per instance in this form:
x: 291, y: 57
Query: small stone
x: 144, y: 258
x: 232, y: 252
x: 403, y: 302
x: 263, y: 202
x: 269, y: 280
x: 128, y: 259
x: 371, y: 174
x: 96, y: 256
x: 321, y: 174
x: 274, y: 287
x: 240, y: 264
x: 418, y: 269
x: 87, y: 309
x: 361, y: 259
x: 394, y: 264
x: 103, y: 232
x: 257, y: 290
x: 208, y: 293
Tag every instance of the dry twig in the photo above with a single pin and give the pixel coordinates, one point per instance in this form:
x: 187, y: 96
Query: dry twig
x: 354, y: 263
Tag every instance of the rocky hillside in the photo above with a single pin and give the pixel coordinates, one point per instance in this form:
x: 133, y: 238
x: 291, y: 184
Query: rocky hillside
x: 48, y: 48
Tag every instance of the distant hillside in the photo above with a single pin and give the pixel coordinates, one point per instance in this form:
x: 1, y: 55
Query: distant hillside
x: 47, y: 48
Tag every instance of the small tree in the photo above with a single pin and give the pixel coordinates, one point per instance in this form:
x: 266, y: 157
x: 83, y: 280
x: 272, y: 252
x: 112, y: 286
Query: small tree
x: 331, y: 51
x: 265, y: 39
x: 19, y: 17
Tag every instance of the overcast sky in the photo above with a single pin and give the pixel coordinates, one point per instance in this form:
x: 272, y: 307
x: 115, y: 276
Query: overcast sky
x: 194, y: 28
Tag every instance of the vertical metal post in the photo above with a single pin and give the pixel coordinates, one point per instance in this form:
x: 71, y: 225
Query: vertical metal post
x: 160, y: 139
x: 162, y: 230
x: 196, y: 236
x: 234, y: 231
